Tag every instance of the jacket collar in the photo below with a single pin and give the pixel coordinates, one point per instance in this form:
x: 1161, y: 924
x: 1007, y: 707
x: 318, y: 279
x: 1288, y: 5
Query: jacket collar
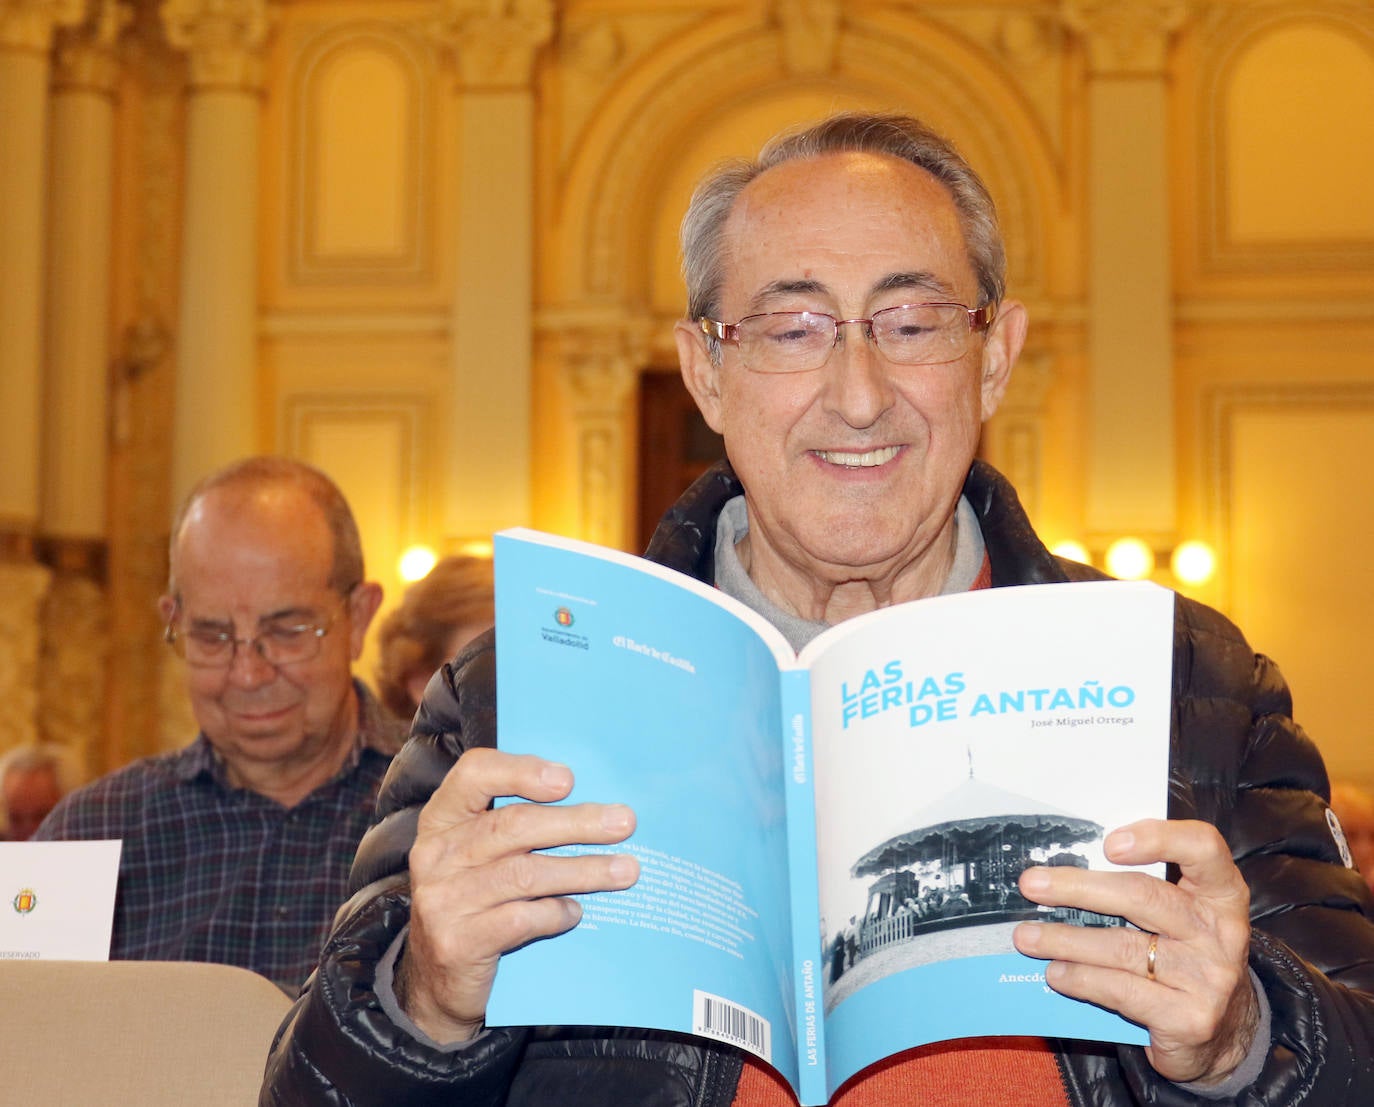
x: 685, y: 537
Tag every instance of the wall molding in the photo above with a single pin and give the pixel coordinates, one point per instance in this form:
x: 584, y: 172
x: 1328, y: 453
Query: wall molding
x: 291, y: 324
x: 1222, y: 406
x: 1229, y: 35
x: 406, y: 415
x: 308, y: 263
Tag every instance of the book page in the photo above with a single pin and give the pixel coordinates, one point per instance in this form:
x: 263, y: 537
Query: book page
x: 660, y: 697
x: 958, y: 741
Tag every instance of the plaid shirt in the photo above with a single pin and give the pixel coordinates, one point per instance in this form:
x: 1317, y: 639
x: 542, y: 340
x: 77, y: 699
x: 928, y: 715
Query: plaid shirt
x: 209, y: 872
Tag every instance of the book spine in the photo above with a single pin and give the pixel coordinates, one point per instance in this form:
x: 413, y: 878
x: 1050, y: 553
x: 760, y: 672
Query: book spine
x: 805, y: 887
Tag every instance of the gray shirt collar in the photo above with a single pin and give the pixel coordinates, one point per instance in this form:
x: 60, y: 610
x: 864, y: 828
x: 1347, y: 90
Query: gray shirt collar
x: 733, y: 524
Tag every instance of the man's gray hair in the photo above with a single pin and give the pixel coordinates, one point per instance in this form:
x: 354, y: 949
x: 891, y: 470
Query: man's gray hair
x: 255, y: 472
x: 898, y: 136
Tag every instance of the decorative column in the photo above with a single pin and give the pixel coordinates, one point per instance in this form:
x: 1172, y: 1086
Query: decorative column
x: 80, y: 198
x: 494, y: 44
x: 216, y: 334
x: 26, y: 34
x: 602, y: 366
x: 76, y: 438
x: 1131, y: 482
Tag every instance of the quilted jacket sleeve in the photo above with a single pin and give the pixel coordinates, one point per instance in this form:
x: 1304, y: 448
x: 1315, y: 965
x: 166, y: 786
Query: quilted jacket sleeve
x: 337, y: 1046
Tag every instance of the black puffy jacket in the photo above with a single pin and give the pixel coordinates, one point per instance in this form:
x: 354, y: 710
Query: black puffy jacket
x: 1237, y: 760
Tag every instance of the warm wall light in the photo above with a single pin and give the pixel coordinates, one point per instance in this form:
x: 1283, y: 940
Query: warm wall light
x: 1193, y: 562
x: 1130, y: 559
x: 1073, y: 551
x: 416, y: 562
x: 476, y: 547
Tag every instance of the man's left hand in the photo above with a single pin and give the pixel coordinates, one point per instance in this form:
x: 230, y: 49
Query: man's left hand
x: 1191, y: 989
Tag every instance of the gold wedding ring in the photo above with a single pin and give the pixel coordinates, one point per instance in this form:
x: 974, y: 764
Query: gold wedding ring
x: 1150, y: 957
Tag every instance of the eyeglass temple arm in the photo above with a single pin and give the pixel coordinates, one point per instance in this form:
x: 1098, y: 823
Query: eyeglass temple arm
x: 725, y: 332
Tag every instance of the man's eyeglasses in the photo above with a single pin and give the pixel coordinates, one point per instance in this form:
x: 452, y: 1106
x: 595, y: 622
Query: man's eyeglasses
x: 798, y: 341
x: 278, y: 642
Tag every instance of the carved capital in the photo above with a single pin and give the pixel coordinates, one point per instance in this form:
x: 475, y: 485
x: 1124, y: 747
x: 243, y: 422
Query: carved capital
x: 1126, y: 37
x: 29, y: 24
x: 222, y: 39
x: 602, y: 365
x: 593, y: 51
x: 494, y: 41
x: 810, y: 31
x: 85, y: 56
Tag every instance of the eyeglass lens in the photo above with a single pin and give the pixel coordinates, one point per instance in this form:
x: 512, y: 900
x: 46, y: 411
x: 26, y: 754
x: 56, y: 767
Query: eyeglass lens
x: 795, y: 341
x: 277, y: 645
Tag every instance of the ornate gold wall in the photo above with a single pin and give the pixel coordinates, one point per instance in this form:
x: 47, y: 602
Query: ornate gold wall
x: 430, y: 245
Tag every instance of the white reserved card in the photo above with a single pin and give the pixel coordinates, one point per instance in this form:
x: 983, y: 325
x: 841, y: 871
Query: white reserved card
x: 57, y: 900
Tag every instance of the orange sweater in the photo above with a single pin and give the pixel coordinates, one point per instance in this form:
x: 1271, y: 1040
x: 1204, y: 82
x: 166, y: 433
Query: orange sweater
x: 982, y: 1072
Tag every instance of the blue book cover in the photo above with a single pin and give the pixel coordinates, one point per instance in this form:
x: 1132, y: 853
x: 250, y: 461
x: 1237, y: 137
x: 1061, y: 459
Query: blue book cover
x: 828, y: 844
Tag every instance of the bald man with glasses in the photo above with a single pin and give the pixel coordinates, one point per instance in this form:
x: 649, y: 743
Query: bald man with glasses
x: 237, y: 847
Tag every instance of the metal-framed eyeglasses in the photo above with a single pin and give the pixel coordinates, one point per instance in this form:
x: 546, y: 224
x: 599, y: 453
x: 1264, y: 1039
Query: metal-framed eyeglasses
x: 799, y: 341
x: 281, y: 641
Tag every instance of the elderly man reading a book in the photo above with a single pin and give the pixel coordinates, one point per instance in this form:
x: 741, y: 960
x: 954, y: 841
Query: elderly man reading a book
x: 848, y: 335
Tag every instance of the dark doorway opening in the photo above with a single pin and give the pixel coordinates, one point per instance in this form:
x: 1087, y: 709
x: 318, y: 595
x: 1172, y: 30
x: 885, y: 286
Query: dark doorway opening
x: 675, y: 447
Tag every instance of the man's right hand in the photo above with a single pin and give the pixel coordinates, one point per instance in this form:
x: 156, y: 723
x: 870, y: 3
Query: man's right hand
x: 478, y: 888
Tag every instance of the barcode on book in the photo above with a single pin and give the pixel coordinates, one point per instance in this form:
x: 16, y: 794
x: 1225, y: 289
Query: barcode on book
x: 713, y: 1017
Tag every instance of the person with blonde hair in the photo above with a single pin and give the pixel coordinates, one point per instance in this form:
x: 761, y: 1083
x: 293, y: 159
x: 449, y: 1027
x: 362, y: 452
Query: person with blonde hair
x: 438, y: 615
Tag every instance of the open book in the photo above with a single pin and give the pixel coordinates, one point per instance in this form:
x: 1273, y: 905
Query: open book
x: 829, y: 843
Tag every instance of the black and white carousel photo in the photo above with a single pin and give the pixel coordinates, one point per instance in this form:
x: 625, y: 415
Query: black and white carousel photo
x: 946, y: 885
